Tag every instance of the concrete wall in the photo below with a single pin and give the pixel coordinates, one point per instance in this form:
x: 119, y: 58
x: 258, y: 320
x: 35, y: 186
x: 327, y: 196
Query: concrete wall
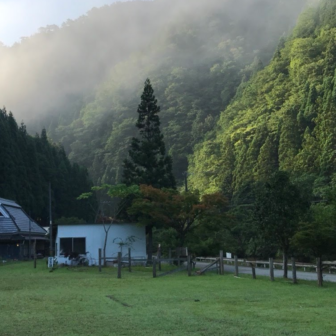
x: 95, y: 236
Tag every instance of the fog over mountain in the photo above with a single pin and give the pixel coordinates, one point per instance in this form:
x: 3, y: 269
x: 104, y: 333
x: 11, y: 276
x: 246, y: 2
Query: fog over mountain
x: 44, y: 71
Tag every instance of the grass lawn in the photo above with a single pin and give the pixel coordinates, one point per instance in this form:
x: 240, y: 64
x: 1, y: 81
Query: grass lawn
x: 75, y: 302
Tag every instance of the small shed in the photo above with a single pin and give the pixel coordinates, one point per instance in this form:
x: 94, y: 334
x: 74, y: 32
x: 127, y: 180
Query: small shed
x: 89, y: 238
x: 19, y: 232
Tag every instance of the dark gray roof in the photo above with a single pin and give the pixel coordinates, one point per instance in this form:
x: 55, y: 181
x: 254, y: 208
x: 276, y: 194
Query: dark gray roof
x: 18, y: 221
x: 7, y: 225
x: 4, y: 201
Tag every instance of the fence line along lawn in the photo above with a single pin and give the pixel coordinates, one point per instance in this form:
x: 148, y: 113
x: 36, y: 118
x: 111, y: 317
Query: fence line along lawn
x: 82, y: 301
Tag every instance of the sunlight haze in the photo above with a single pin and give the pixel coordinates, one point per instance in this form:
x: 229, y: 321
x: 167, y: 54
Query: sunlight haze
x: 21, y: 18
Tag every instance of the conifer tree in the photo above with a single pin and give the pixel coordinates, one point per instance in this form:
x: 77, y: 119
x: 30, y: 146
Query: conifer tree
x: 148, y: 163
x: 306, y: 159
x: 289, y: 140
x: 27, y: 165
x: 268, y: 161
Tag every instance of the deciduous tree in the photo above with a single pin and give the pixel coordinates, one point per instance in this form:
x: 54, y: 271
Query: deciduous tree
x: 181, y: 211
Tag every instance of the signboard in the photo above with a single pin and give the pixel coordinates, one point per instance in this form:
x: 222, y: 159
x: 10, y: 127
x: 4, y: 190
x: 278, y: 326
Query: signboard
x: 50, y: 262
x: 228, y: 255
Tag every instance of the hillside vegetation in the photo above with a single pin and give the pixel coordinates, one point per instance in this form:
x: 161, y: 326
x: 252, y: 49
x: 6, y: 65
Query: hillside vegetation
x: 27, y: 166
x: 195, y: 65
x: 82, y: 81
x: 283, y: 118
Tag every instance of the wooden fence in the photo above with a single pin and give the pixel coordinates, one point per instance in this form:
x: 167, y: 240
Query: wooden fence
x: 218, y: 263
x: 156, y: 263
x: 319, y: 267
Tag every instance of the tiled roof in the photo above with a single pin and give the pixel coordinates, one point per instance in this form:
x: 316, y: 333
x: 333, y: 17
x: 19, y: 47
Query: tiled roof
x: 18, y: 220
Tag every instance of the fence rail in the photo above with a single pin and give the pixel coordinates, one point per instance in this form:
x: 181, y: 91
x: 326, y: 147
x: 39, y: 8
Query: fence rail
x: 218, y: 263
x: 320, y: 266
x: 304, y: 266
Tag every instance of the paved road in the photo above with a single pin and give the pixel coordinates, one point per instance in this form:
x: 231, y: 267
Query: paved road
x: 277, y: 273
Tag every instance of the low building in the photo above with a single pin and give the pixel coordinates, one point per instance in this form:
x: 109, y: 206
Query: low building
x: 89, y: 238
x: 18, y: 232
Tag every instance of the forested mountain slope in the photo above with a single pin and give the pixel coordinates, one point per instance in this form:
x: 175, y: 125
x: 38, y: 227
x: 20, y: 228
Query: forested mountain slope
x: 28, y: 164
x: 195, y: 61
x: 283, y: 118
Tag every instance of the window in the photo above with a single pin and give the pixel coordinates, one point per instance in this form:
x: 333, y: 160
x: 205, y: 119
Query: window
x: 71, y: 245
x: 66, y: 246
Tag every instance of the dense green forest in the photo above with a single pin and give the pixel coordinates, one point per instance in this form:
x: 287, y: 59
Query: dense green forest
x: 248, y: 109
x: 196, y: 54
x: 282, y: 118
x: 27, y: 166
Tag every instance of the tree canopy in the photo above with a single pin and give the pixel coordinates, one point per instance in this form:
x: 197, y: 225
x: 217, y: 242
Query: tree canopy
x: 182, y: 212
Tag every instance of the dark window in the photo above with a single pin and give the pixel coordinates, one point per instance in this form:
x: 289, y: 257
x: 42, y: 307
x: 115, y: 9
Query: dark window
x: 71, y: 245
x: 1, y: 215
x: 79, y: 245
x: 66, y: 246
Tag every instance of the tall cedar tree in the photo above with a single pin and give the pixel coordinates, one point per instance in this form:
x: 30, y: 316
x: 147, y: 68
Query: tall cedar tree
x: 148, y: 163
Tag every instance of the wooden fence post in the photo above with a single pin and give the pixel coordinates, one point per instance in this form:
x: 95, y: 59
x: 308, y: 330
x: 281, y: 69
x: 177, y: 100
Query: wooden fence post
x: 236, y: 265
x: 154, y: 268
x: 189, y: 265
x: 319, y: 272
x: 159, y: 259
x: 35, y: 254
x: 253, y: 271
x: 294, y: 271
x: 221, y: 263
x: 119, y: 265
x: 170, y: 256
x: 271, y: 269
x: 99, y: 259
x: 129, y: 260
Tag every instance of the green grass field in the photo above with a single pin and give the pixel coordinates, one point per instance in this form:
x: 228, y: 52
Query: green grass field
x: 75, y: 302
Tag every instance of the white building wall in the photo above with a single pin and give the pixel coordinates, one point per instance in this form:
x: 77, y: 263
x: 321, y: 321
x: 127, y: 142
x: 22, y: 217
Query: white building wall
x: 95, y: 236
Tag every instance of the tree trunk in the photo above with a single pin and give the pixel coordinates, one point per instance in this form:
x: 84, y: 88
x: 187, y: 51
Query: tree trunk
x: 285, y: 265
x: 150, y: 245
x: 105, y: 243
x: 104, y: 249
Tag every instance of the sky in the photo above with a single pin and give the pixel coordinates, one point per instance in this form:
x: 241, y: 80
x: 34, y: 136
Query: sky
x: 20, y: 18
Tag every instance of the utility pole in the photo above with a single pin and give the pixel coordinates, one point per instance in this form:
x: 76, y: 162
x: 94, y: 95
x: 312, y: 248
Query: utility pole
x: 29, y: 248
x: 51, y: 252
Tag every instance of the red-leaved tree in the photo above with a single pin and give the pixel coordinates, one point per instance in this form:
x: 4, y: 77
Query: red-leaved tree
x: 180, y: 211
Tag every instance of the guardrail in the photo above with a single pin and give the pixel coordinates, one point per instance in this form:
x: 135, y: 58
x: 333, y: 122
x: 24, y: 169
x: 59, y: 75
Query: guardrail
x: 331, y: 264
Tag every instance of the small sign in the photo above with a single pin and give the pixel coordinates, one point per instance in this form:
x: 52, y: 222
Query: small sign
x: 228, y: 255
x: 50, y: 262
